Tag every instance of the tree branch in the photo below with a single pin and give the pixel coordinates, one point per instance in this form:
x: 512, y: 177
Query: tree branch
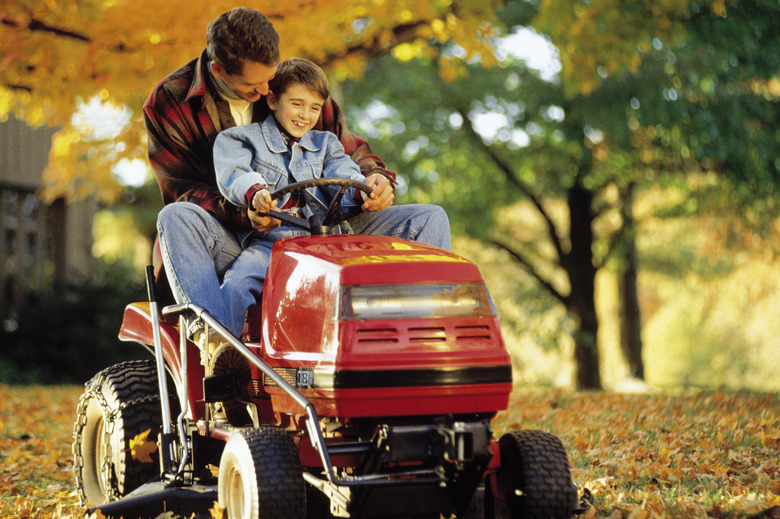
x: 37, y: 25
x: 20, y: 88
x: 526, y: 265
x: 376, y: 46
x: 509, y: 174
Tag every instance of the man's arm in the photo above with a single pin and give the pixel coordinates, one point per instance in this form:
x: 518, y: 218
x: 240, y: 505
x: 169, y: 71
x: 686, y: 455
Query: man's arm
x: 181, y: 158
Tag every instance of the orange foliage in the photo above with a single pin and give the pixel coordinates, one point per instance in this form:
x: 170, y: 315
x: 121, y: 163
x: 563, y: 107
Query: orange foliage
x: 58, y: 53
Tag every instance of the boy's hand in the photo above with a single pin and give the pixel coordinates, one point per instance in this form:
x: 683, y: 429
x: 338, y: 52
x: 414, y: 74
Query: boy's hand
x: 382, y: 193
x: 262, y: 202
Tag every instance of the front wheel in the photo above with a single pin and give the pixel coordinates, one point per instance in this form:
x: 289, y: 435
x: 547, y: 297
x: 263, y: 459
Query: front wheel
x: 534, y: 481
x: 260, y: 476
x: 118, y: 404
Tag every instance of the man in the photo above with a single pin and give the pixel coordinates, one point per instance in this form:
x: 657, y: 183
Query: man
x: 200, y: 231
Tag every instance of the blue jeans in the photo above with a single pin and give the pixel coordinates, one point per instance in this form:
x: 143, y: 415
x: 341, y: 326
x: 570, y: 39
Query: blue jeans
x: 207, y: 265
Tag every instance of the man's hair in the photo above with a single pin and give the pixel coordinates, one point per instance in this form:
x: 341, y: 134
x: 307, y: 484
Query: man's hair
x: 242, y: 34
x: 299, y: 71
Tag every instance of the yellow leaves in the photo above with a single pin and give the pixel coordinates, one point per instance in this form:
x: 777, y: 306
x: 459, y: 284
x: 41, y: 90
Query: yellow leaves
x: 79, y: 168
x: 141, y: 449
x: 452, y: 69
x: 438, y: 28
x: 218, y: 512
x: 405, y: 16
x: 117, y: 238
x: 36, y: 433
x: 408, y: 51
x: 719, y: 8
x: 62, y: 142
x: 771, y: 442
x: 600, y: 38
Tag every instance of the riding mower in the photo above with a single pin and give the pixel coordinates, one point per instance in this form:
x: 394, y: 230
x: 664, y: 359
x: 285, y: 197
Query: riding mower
x: 363, y: 385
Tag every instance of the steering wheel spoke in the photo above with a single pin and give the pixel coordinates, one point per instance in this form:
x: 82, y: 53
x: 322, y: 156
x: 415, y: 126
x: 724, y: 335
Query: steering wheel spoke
x: 315, y: 227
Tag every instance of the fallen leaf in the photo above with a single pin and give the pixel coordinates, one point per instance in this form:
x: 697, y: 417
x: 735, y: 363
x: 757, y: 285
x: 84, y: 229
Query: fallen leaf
x: 218, y: 512
x: 141, y: 449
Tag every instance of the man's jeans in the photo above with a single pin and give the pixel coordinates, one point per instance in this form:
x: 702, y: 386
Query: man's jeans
x: 206, y: 264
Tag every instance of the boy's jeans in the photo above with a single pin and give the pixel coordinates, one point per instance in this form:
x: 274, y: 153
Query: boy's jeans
x: 206, y: 264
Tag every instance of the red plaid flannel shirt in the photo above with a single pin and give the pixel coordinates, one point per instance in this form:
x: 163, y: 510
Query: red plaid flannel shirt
x: 183, y: 116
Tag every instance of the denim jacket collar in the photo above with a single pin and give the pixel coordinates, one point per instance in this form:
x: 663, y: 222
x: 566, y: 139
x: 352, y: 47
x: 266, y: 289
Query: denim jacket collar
x: 272, y: 134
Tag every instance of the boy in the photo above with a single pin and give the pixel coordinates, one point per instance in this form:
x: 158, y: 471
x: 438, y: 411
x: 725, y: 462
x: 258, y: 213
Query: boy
x: 253, y: 160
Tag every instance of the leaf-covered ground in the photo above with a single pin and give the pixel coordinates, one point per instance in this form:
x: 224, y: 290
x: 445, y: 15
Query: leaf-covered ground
x: 654, y: 456
x: 640, y: 456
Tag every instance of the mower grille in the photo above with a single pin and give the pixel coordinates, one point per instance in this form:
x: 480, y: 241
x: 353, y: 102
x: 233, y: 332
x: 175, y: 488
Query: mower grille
x: 432, y: 334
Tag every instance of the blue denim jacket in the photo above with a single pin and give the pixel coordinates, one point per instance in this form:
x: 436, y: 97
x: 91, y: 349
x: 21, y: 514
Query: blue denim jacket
x: 257, y: 154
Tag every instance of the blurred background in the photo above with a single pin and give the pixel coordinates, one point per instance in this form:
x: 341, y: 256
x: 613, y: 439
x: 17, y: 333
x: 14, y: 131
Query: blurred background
x: 611, y: 166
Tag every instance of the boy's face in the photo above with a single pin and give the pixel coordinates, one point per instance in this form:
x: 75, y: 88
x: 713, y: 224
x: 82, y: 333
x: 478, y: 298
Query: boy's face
x: 251, y: 84
x: 297, y: 110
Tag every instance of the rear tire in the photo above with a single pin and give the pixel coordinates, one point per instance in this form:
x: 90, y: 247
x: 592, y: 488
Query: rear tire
x: 534, y: 477
x: 260, y: 476
x: 119, y: 403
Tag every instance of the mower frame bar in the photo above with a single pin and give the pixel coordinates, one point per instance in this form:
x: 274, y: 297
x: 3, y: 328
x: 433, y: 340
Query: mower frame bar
x: 312, y: 423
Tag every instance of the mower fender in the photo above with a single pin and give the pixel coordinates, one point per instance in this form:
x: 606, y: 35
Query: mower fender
x: 137, y: 327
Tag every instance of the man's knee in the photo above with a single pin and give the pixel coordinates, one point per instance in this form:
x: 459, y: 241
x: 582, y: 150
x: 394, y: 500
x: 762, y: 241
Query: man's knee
x: 439, y: 215
x: 179, y: 214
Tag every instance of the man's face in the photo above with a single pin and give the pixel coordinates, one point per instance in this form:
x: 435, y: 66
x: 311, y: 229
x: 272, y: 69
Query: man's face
x: 298, y: 109
x: 251, y: 83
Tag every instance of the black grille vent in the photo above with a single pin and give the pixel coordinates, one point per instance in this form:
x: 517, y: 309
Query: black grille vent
x: 433, y: 334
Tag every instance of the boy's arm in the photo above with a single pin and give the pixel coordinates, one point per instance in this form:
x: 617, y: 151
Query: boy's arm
x: 236, y: 179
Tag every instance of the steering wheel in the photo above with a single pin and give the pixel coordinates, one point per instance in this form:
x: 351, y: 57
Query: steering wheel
x: 313, y: 225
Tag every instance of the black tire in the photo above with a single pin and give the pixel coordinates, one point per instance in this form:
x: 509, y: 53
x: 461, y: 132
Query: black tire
x: 534, y: 477
x: 260, y: 476
x: 476, y: 507
x: 119, y: 403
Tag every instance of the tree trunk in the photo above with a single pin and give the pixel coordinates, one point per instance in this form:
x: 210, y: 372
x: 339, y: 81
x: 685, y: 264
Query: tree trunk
x: 628, y: 294
x: 582, y: 275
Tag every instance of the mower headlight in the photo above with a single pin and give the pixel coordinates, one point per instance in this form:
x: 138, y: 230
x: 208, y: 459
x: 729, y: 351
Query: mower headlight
x: 414, y: 301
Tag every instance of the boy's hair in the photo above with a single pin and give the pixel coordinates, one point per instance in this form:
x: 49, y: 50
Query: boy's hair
x: 242, y: 34
x: 299, y: 71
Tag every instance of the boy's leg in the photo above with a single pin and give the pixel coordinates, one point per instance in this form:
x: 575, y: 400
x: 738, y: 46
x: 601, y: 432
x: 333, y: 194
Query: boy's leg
x: 418, y: 222
x: 243, y: 282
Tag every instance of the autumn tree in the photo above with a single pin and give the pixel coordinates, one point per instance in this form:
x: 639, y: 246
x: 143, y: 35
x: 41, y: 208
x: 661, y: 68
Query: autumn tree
x: 699, y: 93
x: 611, y: 124
x: 59, y: 56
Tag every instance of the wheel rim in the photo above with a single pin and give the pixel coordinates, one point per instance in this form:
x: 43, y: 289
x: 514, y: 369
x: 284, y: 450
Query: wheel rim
x: 234, y: 495
x: 101, y: 462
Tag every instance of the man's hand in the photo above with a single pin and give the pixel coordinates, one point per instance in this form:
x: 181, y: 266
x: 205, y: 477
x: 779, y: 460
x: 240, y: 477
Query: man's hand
x: 262, y: 203
x: 382, y: 193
